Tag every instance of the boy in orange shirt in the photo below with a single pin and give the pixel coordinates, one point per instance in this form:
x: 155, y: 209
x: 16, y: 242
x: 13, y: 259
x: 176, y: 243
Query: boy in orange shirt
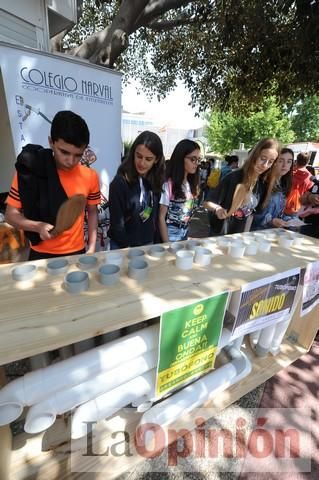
x: 45, y: 178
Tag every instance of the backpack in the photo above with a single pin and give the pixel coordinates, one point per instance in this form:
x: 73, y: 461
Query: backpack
x: 213, y: 179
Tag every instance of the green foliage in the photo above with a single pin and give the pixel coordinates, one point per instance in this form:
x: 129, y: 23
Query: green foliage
x: 230, y: 53
x: 227, y: 129
x: 305, y: 121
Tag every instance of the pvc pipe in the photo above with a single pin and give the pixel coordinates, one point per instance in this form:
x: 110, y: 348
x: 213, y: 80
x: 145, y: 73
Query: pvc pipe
x: 36, y: 386
x: 265, y: 340
x: 107, y: 404
x: 194, y: 395
x: 280, y: 332
x: 253, y: 337
x: 42, y: 415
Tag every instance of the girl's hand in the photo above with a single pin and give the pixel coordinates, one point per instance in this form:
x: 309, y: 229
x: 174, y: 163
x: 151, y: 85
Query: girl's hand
x: 279, y: 223
x: 220, y: 213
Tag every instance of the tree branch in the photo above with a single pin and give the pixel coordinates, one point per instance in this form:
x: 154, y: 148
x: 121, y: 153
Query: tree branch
x: 162, y: 26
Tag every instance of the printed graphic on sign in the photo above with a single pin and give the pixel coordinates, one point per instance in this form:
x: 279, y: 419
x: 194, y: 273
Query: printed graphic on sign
x: 188, y: 341
x: 37, y: 85
x: 264, y: 302
x: 310, y: 293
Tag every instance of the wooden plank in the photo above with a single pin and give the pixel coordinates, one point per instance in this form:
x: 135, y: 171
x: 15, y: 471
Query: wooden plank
x: 40, y: 315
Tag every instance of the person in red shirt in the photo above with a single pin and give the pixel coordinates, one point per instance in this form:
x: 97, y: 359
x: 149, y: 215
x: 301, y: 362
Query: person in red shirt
x: 45, y: 178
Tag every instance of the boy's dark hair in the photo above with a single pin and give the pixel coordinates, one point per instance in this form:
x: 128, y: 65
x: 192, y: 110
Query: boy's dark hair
x: 71, y: 128
x: 302, y: 159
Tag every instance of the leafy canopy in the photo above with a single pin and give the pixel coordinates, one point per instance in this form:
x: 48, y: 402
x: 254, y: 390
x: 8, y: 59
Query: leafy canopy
x: 229, y: 53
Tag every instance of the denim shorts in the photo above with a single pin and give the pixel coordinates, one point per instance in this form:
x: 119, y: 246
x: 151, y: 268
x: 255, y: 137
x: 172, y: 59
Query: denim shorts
x: 176, y: 234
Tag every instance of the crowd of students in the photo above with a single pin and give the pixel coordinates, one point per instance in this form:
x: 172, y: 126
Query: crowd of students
x: 151, y: 200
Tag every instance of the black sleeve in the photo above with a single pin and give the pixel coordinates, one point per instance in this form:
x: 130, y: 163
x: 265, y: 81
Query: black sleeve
x: 118, y: 211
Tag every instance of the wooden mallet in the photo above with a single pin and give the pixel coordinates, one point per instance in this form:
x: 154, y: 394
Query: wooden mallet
x: 68, y: 213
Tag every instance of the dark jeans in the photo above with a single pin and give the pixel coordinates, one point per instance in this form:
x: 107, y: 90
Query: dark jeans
x: 311, y: 230
x: 33, y: 255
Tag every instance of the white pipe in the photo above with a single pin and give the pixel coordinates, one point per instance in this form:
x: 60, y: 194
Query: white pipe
x: 107, y: 404
x: 253, y: 337
x: 280, y: 332
x: 42, y: 415
x: 224, y: 339
x: 36, y: 386
x: 194, y: 395
x: 265, y: 340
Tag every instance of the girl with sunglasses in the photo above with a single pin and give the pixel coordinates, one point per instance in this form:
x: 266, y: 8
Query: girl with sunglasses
x: 180, y: 191
x: 134, y: 194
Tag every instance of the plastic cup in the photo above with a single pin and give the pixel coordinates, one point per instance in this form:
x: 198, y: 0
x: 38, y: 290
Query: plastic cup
x: 24, y: 272
x: 157, y: 251
x: 175, y: 247
x: 224, y: 244
x: 285, y: 242
x: 184, y: 259
x: 192, y: 244
x: 109, y: 274
x: 57, y: 266
x: 237, y: 249
x: 138, y: 269
x: 251, y: 247
x: 115, y: 258
x: 203, y: 256
x: 77, y: 282
x: 298, y: 240
x: 136, y: 252
x: 87, y: 261
x: 264, y: 246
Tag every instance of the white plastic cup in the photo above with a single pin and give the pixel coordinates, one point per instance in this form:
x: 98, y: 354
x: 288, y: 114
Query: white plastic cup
x: 114, y: 258
x: 157, y: 251
x: 87, y: 261
x: 251, y: 247
x: 264, y: 246
x: 271, y: 236
x: 285, y: 242
x: 138, y: 269
x: 192, y: 244
x: 77, y: 282
x: 175, y: 247
x: 24, y: 272
x: 224, y: 244
x: 57, y: 266
x: 298, y: 240
x: 136, y: 252
x: 109, y: 274
x: 237, y: 249
x: 184, y: 259
x: 203, y: 256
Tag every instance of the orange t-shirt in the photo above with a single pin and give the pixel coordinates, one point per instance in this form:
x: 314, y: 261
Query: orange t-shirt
x: 80, y: 179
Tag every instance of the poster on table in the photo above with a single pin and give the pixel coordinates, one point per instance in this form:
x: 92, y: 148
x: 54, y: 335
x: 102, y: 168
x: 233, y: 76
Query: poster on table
x: 188, y: 342
x: 37, y: 85
x: 310, y: 292
x: 262, y: 303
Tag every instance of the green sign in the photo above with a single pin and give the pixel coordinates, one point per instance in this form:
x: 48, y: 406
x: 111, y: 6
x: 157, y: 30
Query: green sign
x: 188, y: 341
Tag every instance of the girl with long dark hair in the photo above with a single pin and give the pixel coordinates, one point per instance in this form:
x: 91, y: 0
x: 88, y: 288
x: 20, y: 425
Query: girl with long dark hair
x: 134, y: 193
x: 180, y: 191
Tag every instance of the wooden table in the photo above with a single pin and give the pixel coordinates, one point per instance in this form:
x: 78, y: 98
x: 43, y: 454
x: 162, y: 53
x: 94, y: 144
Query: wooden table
x: 40, y: 315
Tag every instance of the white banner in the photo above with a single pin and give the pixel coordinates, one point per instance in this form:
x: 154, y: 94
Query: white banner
x: 38, y: 84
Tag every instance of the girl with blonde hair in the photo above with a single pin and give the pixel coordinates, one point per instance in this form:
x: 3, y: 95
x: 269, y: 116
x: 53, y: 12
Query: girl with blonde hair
x: 241, y: 191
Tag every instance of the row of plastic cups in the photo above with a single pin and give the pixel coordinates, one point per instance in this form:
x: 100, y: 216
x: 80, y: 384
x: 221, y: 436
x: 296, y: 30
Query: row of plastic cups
x: 108, y: 274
